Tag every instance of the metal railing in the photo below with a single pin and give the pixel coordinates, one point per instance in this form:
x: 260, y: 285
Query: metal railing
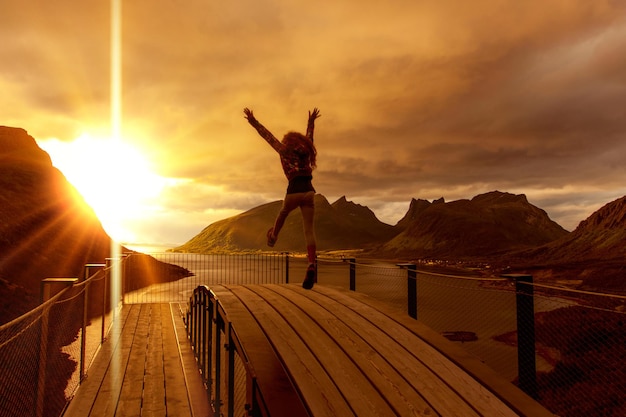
x: 556, y: 343
x: 45, y: 353
x: 578, y: 349
x: 229, y: 377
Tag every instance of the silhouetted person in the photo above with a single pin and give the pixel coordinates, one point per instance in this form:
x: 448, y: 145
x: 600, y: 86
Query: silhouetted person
x: 297, y: 156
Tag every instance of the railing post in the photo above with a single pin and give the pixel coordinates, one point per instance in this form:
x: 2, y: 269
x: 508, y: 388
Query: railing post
x: 411, y: 284
x: 105, y: 292
x: 86, y: 318
x: 194, y: 322
x: 200, y: 327
x: 49, y: 288
x: 123, y: 272
x: 526, y: 360
x: 286, y: 267
x: 43, y: 361
x: 110, y: 265
x: 352, y: 262
x: 217, y: 360
x: 230, y: 370
x: 211, y: 310
x: 83, y: 338
x: 205, y: 327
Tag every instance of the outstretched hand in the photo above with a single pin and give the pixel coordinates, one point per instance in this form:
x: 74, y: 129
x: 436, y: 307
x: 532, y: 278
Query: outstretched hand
x: 249, y: 114
x: 314, y: 114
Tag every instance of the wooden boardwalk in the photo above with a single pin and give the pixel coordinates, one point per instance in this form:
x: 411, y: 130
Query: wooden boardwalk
x: 143, y: 370
x: 323, y: 352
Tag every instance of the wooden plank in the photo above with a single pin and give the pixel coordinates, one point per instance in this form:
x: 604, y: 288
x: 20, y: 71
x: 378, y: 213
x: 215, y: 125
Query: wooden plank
x: 377, y: 356
x: 85, y: 397
x: 489, y: 393
x: 130, y: 398
x: 108, y: 396
x: 176, y: 396
x: 198, y: 396
x: 154, y: 375
x: 317, y: 388
x: 278, y: 390
x: 362, y: 397
x: 415, y: 369
x: 468, y: 388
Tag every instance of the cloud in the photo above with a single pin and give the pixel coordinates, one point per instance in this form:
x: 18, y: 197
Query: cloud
x: 418, y: 99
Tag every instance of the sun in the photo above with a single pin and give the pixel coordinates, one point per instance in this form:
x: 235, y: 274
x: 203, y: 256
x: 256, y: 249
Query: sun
x: 113, y: 177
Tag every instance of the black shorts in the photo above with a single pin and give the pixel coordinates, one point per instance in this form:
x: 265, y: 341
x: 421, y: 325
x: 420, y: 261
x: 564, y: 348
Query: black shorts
x: 300, y: 184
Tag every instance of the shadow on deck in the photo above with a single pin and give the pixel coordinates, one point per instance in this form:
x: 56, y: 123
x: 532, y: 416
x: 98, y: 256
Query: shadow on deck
x: 323, y: 352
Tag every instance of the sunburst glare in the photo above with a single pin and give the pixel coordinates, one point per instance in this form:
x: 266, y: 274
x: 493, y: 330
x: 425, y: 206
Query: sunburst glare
x: 113, y: 177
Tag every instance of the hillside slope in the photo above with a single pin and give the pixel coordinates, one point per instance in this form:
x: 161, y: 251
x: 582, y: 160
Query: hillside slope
x: 595, y: 252
x: 342, y: 225
x: 602, y: 236
x: 47, y: 230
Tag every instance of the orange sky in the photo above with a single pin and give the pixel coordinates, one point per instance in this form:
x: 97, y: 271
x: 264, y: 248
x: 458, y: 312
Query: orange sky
x: 418, y: 99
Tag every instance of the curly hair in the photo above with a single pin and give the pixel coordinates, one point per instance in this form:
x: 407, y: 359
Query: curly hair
x: 301, y: 145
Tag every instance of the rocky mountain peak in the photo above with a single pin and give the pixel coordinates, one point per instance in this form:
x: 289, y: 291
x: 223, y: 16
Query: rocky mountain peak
x: 498, y: 197
x: 612, y: 216
x: 17, y: 146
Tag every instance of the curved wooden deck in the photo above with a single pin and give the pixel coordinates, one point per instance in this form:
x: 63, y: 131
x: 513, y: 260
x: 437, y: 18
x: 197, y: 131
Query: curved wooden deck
x: 348, y: 355
x: 322, y: 352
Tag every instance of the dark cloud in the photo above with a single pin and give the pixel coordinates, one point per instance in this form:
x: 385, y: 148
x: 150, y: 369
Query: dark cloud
x: 418, y: 99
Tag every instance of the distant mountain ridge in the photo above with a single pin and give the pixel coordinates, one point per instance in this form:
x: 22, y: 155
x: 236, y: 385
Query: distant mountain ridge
x: 497, y: 228
x: 490, y: 223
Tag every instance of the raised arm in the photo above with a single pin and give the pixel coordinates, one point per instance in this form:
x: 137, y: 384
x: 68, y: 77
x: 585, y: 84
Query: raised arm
x: 311, y: 124
x: 265, y: 134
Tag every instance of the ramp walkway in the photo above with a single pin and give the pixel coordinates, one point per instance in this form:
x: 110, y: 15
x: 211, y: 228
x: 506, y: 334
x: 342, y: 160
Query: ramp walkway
x: 322, y: 352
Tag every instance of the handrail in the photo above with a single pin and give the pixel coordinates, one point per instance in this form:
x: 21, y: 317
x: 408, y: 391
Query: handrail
x: 207, y: 322
x: 37, y: 344
x: 588, y: 320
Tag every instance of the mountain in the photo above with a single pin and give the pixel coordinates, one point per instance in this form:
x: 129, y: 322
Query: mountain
x: 594, y: 252
x: 601, y: 237
x: 487, y: 225
x: 47, y: 229
x: 416, y: 207
x: 341, y: 225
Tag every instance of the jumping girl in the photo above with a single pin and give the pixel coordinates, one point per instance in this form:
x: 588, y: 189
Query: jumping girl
x: 297, y: 156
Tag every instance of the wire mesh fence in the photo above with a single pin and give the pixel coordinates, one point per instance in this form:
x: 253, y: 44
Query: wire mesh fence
x: 581, y: 336
x: 44, y: 353
x: 578, y: 348
x: 155, y: 287
x: 578, y: 338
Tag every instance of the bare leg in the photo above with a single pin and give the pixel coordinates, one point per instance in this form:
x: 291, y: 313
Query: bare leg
x: 307, y: 207
x: 308, y: 215
x: 290, y: 202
